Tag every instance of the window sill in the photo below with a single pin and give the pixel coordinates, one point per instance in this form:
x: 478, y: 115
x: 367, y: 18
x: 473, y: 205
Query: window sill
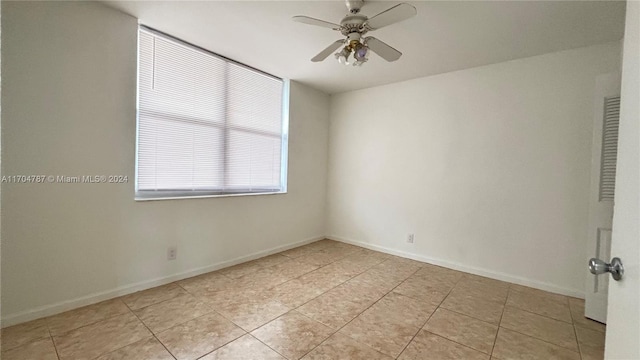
x: 184, y: 197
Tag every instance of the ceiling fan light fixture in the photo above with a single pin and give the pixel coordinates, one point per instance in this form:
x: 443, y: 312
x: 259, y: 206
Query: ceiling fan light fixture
x: 361, y: 53
x: 343, y: 55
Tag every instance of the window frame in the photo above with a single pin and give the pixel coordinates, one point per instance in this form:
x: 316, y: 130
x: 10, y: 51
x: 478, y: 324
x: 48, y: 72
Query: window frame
x: 148, y: 195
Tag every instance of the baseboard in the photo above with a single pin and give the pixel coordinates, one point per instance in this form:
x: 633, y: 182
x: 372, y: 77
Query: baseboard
x: 59, y: 307
x: 468, y: 269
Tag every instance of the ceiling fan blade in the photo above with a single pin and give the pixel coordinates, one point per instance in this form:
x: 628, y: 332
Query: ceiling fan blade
x: 317, y: 22
x: 382, y: 49
x: 326, y: 52
x: 391, y: 16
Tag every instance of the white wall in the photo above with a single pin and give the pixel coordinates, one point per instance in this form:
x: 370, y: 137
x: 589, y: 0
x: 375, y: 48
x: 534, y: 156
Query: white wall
x: 489, y: 167
x: 68, y: 101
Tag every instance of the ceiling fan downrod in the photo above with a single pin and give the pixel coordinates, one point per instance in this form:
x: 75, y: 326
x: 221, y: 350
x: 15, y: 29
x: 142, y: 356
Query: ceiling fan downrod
x: 354, y: 6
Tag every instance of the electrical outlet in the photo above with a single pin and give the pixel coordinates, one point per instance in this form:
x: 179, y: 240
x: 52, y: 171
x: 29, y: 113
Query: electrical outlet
x: 172, y: 253
x: 410, y: 238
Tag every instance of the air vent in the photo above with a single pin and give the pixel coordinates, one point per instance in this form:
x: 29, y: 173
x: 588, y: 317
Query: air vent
x: 609, y: 157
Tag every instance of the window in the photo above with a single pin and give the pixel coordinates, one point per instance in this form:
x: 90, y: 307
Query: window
x: 206, y: 125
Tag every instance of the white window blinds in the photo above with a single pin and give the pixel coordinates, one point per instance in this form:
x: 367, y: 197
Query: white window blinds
x: 206, y: 125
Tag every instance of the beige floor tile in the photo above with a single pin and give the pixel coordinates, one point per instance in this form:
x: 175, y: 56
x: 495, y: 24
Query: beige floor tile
x: 17, y: 335
x: 220, y: 299
x: 591, y: 342
x: 406, y: 261
x: 590, y: 337
x: 339, y: 347
x: 324, y: 257
x: 430, y: 346
x: 484, y: 288
x: 513, y: 345
x: 432, y: 290
x: 396, y: 308
x: 271, y: 260
x: 396, y: 269
x: 148, y: 348
x: 554, y: 331
x: 591, y: 352
x: 540, y: 302
x: 208, y: 282
x: 341, y: 304
x: 290, y: 269
x: 199, y: 336
x: 66, y: 321
x: 293, y: 334
x: 376, y: 282
x: 330, y: 273
x: 42, y: 349
x: 390, y: 324
x: 443, y: 274
x: 463, y: 329
x: 352, y: 267
x: 548, y: 296
x: 242, y: 269
x: 263, y: 279
x: 251, y: 311
x: 166, y: 314
x: 577, y: 314
x: 244, y: 348
x: 361, y: 260
x: 372, y: 285
x: 462, y: 302
x: 295, y: 292
x: 152, y: 296
x: 91, y: 341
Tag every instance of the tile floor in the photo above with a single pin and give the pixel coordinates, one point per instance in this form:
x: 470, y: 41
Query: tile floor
x: 325, y: 300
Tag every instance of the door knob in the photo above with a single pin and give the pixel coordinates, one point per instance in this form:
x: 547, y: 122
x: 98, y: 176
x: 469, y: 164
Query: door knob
x: 597, y: 267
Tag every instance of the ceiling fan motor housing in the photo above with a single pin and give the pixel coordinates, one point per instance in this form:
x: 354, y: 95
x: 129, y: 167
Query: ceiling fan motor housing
x: 353, y: 24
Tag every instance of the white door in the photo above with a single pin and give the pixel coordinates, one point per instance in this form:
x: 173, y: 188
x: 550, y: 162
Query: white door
x: 623, y: 315
x: 603, y: 171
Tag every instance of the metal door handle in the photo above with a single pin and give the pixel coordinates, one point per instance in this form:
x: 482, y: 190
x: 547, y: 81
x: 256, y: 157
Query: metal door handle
x: 597, y: 267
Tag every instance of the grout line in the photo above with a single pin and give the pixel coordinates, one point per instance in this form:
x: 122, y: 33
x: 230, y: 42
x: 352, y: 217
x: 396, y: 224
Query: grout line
x: 575, y: 333
x: 55, y: 347
x: 336, y: 331
x: 535, y: 313
x: 88, y: 324
x: 263, y: 343
x: 152, y: 334
x: 430, y: 316
x: 495, y: 339
x: 3, y: 349
x: 290, y: 309
x: 370, y: 306
x: 458, y: 343
x: 532, y: 312
x: 536, y: 338
x: 470, y: 316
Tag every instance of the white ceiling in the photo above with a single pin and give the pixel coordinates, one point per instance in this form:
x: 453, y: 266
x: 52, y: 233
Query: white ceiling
x: 444, y: 36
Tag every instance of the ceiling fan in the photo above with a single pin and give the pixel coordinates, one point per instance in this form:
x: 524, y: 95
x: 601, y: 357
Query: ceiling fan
x: 354, y: 26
